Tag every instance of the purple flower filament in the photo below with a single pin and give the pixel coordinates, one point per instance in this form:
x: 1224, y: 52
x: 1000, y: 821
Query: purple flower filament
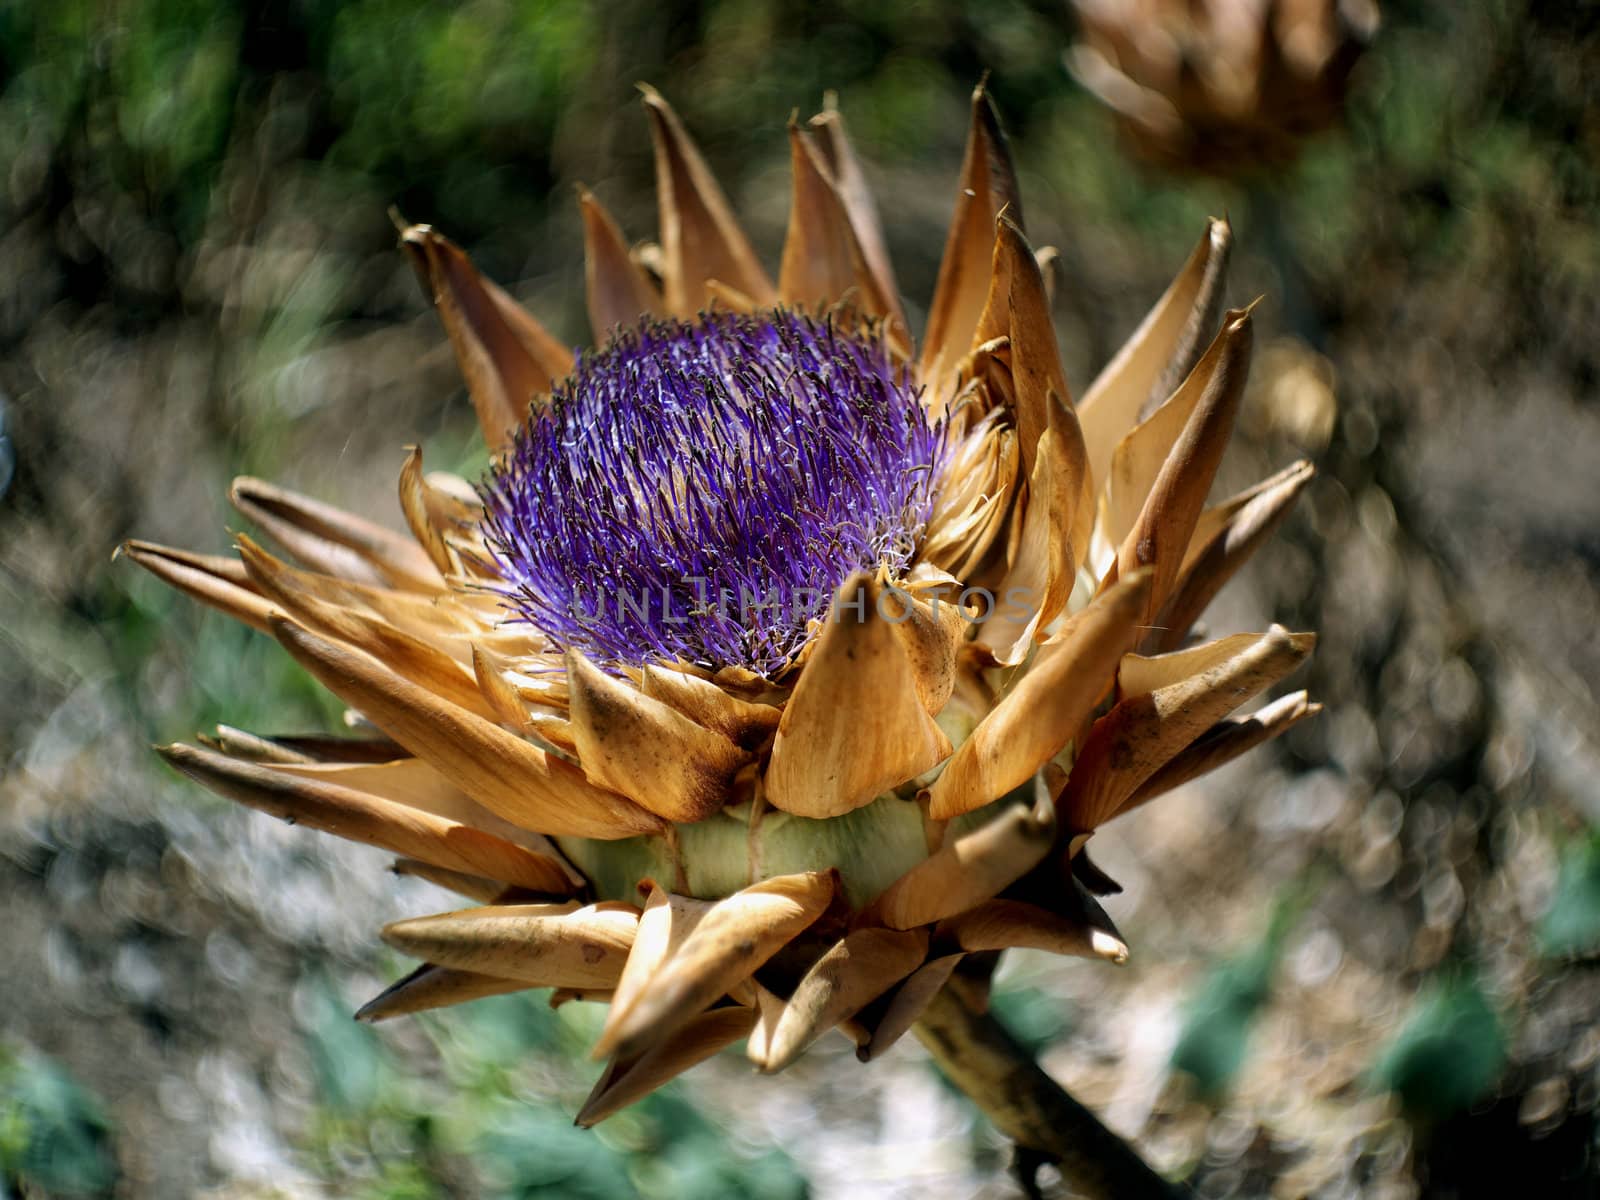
x: 698, y: 490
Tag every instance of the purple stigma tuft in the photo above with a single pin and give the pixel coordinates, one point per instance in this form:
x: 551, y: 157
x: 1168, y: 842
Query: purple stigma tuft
x: 698, y: 490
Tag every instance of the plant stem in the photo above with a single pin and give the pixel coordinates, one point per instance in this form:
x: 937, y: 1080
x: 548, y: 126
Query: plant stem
x: 979, y: 1056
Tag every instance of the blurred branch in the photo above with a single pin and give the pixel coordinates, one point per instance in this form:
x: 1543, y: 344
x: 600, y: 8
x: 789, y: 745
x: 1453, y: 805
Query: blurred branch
x: 980, y: 1057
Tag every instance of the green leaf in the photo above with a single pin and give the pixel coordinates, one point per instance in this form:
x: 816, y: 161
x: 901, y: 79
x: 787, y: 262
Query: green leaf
x: 1449, y: 1052
x: 346, y: 1057
x: 1572, y: 925
x: 1034, y: 1017
x: 535, y: 1154
x: 54, y: 1136
x: 1215, y: 1038
x: 1216, y: 1033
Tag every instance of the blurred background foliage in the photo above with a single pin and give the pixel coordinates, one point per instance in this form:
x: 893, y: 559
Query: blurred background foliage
x: 1365, y: 961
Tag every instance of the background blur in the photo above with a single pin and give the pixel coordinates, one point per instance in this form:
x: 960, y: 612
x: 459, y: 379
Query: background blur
x: 1365, y: 961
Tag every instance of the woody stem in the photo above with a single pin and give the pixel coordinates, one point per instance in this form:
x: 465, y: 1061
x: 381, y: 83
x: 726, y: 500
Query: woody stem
x: 979, y: 1056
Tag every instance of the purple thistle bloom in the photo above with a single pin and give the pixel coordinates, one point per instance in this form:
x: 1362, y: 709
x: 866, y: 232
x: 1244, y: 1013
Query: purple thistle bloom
x: 698, y: 490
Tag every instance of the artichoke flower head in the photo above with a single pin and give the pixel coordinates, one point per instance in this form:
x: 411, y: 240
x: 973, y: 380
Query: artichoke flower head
x: 780, y: 669
x: 1220, y: 86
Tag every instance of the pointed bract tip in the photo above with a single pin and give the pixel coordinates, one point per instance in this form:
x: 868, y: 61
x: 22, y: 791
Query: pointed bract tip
x: 282, y: 623
x: 1113, y: 949
x: 1280, y: 638
x: 367, y: 1014
x: 1300, y: 471
x: 416, y: 235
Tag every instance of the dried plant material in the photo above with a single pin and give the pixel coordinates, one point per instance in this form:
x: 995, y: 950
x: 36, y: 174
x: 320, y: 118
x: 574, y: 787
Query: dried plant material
x: 1002, y: 924
x: 505, y: 702
x: 220, y: 566
x: 506, y: 357
x: 854, y: 727
x: 553, y: 655
x: 412, y: 782
x: 1140, y: 455
x: 701, y: 239
x: 331, y: 540
x: 647, y: 750
x: 972, y: 512
x: 988, y: 187
x: 1139, y: 674
x: 438, y: 618
x: 769, y: 1008
x: 1058, y: 506
x: 1048, y: 259
x: 1222, y: 743
x: 618, y: 290
x: 721, y: 295
x: 1159, y: 537
x: 359, y: 816
x: 822, y: 261
x: 1040, y: 394
x: 1217, y: 551
x: 729, y: 943
x: 430, y: 987
x: 908, y: 1003
x: 1048, y: 705
x: 972, y: 981
x: 1219, y: 87
x: 931, y: 632
x: 992, y: 333
x: 412, y: 658
x: 1043, y: 562
x: 742, y: 722
x: 409, y: 781
x: 969, y: 869
x: 850, y: 183
x: 472, y: 887
x: 1086, y: 872
x: 560, y: 996
x: 1160, y: 353
x: 193, y: 575
x: 440, y: 522
x: 627, y: 1080
x: 664, y: 925
x: 499, y: 770
x: 544, y: 945
x: 1216, y: 518
x: 1139, y: 735
x: 851, y: 973
x: 317, y: 748
x: 239, y: 743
